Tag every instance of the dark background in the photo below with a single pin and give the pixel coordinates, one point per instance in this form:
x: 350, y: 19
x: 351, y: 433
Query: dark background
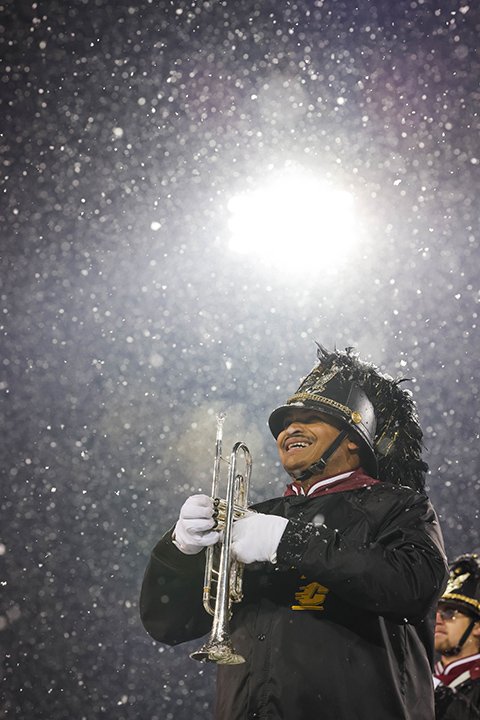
x: 126, y: 322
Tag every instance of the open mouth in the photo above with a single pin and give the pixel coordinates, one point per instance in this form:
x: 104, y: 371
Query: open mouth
x: 296, y: 445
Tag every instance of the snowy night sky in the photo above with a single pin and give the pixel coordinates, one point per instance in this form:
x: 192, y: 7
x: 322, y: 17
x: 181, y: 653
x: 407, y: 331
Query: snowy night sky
x: 128, y: 322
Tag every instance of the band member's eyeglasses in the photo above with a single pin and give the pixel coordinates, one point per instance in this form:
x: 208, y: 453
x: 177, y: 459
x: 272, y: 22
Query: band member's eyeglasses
x: 448, y: 613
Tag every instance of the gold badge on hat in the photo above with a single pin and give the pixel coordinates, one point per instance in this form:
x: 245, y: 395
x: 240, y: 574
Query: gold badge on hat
x: 456, y: 583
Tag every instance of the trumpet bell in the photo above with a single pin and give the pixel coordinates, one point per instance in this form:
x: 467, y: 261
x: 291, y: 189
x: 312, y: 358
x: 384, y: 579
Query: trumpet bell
x: 221, y: 653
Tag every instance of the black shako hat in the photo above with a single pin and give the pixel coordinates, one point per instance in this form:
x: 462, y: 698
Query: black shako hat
x: 372, y: 407
x: 463, y: 587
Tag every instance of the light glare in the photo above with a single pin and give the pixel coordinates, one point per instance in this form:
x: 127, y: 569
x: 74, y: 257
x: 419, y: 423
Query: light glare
x: 295, y: 222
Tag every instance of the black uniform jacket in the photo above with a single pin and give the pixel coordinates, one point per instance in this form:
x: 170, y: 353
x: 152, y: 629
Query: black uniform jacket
x: 462, y: 703
x: 340, y: 628
x: 458, y: 696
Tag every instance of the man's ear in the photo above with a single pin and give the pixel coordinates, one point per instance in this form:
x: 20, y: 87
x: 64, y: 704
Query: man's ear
x: 476, y: 629
x: 352, y: 445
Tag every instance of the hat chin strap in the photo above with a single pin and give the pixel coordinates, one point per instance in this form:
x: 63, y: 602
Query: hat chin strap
x: 320, y: 465
x: 455, y: 650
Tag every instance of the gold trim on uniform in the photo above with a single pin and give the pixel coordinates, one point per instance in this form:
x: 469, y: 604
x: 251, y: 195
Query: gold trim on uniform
x: 319, y: 398
x: 461, y: 598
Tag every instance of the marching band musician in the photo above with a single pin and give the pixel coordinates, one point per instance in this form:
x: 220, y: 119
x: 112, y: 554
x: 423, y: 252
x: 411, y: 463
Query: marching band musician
x: 342, y: 574
x: 457, y: 641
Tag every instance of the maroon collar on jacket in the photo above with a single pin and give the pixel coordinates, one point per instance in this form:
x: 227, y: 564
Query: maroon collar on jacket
x: 467, y: 668
x: 337, y: 483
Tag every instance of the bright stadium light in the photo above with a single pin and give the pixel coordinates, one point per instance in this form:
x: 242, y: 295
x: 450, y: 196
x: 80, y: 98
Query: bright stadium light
x: 295, y: 221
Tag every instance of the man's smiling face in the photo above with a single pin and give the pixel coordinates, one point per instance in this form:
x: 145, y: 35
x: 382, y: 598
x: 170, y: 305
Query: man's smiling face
x: 305, y: 436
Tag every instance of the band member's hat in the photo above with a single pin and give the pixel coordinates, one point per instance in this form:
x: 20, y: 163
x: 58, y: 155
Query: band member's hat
x: 372, y: 406
x: 463, y: 587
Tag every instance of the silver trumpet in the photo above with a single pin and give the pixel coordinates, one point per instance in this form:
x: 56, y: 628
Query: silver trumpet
x: 223, y: 574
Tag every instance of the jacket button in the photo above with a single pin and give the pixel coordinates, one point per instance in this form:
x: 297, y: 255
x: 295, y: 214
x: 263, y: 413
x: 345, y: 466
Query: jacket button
x: 260, y: 637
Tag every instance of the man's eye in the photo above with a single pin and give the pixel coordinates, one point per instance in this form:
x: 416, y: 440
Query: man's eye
x: 304, y: 420
x: 313, y: 419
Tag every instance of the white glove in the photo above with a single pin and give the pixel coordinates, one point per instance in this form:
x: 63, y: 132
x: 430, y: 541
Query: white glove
x: 193, y: 530
x: 256, y: 537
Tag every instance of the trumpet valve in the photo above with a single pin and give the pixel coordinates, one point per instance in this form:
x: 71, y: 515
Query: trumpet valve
x: 220, y: 512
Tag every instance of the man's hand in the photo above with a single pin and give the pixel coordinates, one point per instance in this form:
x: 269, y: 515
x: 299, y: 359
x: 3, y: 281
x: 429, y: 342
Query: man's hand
x: 256, y: 537
x: 194, y: 528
